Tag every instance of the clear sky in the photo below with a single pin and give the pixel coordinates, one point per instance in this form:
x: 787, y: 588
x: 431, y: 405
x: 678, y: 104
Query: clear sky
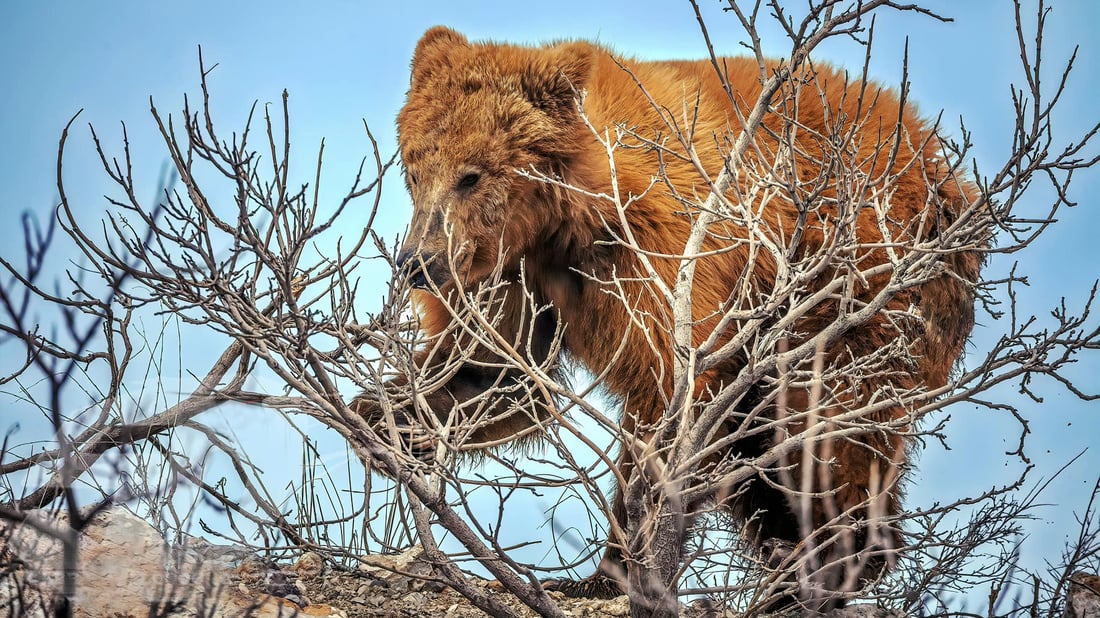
x: 343, y: 62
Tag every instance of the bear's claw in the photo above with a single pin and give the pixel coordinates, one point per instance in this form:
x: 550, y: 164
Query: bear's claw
x: 598, y: 586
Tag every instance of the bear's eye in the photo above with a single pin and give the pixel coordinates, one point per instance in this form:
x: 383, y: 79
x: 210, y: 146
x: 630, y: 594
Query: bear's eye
x: 412, y: 179
x: 469, y: 181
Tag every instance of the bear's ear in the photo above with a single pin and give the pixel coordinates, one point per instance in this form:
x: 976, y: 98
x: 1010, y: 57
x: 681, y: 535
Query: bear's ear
x: 436, y: 41
x: 553, y: 83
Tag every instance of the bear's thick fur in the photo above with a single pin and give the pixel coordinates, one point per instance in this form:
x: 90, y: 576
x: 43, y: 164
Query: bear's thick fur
x: 478, y: 112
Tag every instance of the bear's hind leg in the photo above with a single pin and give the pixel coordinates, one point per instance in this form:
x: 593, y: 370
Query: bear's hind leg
x: 844, y: 508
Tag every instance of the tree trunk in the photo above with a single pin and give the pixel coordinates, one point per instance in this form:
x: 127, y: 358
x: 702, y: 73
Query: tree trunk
x: 657, y: 551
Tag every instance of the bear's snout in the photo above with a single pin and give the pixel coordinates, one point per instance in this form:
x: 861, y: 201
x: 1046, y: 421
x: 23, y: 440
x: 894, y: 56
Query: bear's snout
x: 414, y: 267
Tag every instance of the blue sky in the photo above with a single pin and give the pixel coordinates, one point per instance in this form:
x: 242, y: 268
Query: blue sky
x: 344, y: 62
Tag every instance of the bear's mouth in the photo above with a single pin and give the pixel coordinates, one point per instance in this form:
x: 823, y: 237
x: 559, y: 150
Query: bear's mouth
x: 420, y: 271
x: 429, y: 271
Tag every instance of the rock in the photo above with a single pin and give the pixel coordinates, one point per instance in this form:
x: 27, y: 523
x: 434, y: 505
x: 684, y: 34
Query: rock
x: 864, y: 610
x: 383, y: 564
x: 1083, y: 599
x: 124, y: 568
x: 401, y: 573
x: 619, y: 606
x: 310, y: 565
x: 21, y: 598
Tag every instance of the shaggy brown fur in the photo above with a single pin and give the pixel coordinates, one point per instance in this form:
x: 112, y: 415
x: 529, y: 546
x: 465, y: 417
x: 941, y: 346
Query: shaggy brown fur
x: 478, y: 112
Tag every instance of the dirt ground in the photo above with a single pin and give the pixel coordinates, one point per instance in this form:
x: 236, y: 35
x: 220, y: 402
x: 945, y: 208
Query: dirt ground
x: 399, y: 586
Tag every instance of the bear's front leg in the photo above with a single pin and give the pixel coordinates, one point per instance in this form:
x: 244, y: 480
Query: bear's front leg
x: 464, y: 389
x: 410, y: 435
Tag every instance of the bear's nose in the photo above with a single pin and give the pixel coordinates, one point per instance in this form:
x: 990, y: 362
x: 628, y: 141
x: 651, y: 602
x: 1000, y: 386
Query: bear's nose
x: 411, y: 267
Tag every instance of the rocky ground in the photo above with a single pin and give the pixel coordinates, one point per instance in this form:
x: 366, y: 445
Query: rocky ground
x: 125, y: 569
x: 390, y: 586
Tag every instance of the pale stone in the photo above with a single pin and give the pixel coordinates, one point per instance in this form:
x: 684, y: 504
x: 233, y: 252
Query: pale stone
x: 124, y: 568
x: 1083, y: 600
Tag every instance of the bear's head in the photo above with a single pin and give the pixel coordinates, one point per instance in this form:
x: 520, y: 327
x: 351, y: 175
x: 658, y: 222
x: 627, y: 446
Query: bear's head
x: 475, y: 116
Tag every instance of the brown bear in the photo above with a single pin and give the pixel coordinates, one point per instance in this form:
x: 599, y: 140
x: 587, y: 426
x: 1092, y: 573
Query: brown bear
x: 511, y: 183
